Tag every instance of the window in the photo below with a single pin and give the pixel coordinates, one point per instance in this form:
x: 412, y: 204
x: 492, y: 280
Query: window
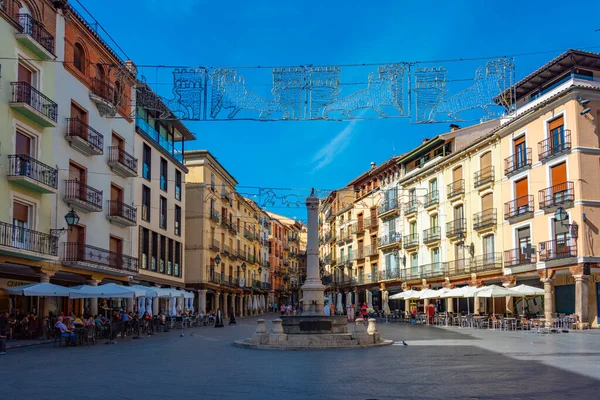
x: 21, y: 222
x: 170, y: 258
x: 146, y: 203
x: 154, y: 251
x: 176, y: 267
x: 457, y: 175
x: 413, y: 228
x: 488, y: 248
x: 163, y: 254
x: 145, y: 246
x: 178, y: 220
x: 557, y: 134
x: 521, y: 194
x: 487, y: 203
x: 433, y: 189
x: 147, y: 167
x: 27, y: 75
x: 524, y: 241
x: 435, y: 258
x: 163, y: 213
x: 414, y: 264
x: 212, y: 182
x: 163, y: 174
x: 116, y: 248
x: 520, y: 151
x: 24, y: 144
x: 433, y: 221
x: 178, y: 184
x: 79, y: 57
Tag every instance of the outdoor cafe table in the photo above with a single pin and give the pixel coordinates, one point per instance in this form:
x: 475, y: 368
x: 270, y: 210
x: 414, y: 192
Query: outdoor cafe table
x: 479, y: 320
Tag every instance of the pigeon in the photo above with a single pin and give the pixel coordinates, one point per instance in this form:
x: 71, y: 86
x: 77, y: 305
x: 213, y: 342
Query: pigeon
x: 191, y: 334
x: 404, y: 343
x: 182, y: 335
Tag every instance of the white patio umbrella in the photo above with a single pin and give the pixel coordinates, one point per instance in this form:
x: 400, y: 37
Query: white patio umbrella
x: 254, y: 305
x: 249, y: 302
x: 142, y: 305
x: 149, y: 305
x: 431, y: 293
x: 41, y: 289
x: 339, y: 308
x: 348, y: 299
x: 455, y: 293
x: 174, y: 293
x: 495, y: 291
x: 173, y: 301
x: 527, y: 290
x: 108, y: 291
x: 397, y: 296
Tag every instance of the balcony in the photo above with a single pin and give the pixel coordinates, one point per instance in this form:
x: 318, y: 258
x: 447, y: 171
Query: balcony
x: 225, y: 224
x: 371, y: 251
x: 561, y: 195
x: 555, y: 146
x: 214, y: 245
x: 491, y: 262
x: 329, y: 237
x: 249, y: 235
x: 149, y: 132
x: 105, y: 97
x: 411, y: 208
x: 83, y: 197
x: 485, y: 219
x: 434, y: 270
x: 361, y: 254
x: 122, y: 163
x: 391, y: 239
x: 373, y: 224
x: 83, y: 256
x: 232, y: 229
x: 389, y: 207
x: 388, y: 274
x: 360, y: 226
x: 121, y: 213
x: 32, y: 174
x: 27, y: 243
x: 226, y: 250
x: 212, y: 276
x: 517, y: 163
x: 432, y: 235
x: 519, y: 209
x: 459, y: 267
x: 456, y: 227
x: 214, y: 215
x: 35, y: 37
x: 484, y: 178
x: 84, y: 138
x: 516, y: 257
x: 31, y: 103
x: 456, y: 188
x: 557, y: 249
x: 432, y: 199
x: 410, y: 241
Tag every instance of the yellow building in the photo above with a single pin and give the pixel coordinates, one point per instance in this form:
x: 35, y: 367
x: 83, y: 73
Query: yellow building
x: 550, y: 185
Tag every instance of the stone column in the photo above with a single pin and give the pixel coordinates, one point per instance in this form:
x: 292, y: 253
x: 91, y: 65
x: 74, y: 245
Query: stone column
x: 450, y: 305
x: 202, y: 300
x: 356, y: 300
x: 155, y: 306
x: 313, y: 289
x: 93, y: 302
x: 407, y: 306
x: 548, y: 297
x: 225, y: 305
x: 218, y: 301
x: 233, y: 305
x: 45, y: 278
x: 476, y: 305
x: 129, y: 304
x: 581, y: 296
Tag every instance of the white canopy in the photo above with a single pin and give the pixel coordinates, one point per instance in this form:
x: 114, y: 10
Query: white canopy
x: 397, y: 296
x: 455, y: 292
x: 432, y: 294
x: 408, y: 295
x: 527, y: 290
x: 174, y: 293
x: 470, y: 291
x: 152, y: 291
x: 188, y: 295
x: 41, y: 289
x: 108, y: 291
x: 495, y: 291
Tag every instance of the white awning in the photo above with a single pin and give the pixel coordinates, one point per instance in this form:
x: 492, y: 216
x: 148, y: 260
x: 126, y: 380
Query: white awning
x: 432, y: 294
x: 495, y: 291
x: 527, y: 290
x: 42, y: 289
x: 108, y: 291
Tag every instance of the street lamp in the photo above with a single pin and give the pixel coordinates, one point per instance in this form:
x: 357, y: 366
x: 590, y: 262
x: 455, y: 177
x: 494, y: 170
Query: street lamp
x: 243, y: 266
x: 72, y: 219
x: 561, y: 215
x: 217, y: 260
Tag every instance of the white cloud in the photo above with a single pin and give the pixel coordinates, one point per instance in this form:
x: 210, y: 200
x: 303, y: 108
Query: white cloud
x: 337, y: 145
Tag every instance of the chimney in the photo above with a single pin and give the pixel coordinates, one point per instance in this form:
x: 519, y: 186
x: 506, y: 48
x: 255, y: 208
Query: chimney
x: 373, y: 164
x: 454, y: 127
x: 131, y: 67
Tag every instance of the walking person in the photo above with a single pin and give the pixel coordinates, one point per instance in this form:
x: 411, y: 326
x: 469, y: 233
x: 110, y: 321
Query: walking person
x: 4, y: 329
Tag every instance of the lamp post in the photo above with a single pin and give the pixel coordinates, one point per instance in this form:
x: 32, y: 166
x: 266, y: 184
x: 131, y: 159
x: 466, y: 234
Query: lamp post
x: 72, y: 219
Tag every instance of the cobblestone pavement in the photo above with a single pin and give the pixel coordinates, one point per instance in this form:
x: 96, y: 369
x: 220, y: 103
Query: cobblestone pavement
x: 438, y: 363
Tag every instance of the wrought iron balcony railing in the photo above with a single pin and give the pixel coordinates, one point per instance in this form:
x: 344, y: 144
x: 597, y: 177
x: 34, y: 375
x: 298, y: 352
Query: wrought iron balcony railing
x: 432, y: 234
x: 555, y: 145
x: 484, y: 219
x: 486, y: 262
x: 122, y: 157
x: 25, y: 166
x: 392, y: 273
x: 517, y: 162
x: 214, y: 215
x: 515, y: 257
x: 77, y: 128
x: 24, y: 93
x: 411, y: 207
x: 519, y: 207
x: 371, y: 250
x: 389, y: 205
x: 411, y: 240
x: 557, y: 249
x: 214, y: 245
x: 456, y: 188
x: 103, y: 90
x: 84, y: 253
x: 484, y: 176
x: 456, y: 227
x: 557, y: 195
x: 432, y: 198
x: 36, y: 30
x: 226, y: 250
x: 117, y: 208
x: 434, y: 270
x: 20, y: 238
x: 75, y: 190
x: 389, y: 239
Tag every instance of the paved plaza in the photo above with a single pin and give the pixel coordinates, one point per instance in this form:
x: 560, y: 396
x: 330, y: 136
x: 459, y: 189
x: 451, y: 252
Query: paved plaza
x: 438, y: 363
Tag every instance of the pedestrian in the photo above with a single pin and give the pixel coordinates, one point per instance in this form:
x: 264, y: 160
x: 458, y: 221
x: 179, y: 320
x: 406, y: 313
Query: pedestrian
x: 430, y: 313
x: 4, y: 329
x: 282, y: 310
x: 363, y: 311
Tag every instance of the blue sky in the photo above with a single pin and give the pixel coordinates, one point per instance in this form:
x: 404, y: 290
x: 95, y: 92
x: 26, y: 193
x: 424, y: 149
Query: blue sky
x: 325, y: 154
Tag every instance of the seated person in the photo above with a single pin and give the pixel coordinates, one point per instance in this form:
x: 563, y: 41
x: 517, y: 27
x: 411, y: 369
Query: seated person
x: 146, y: 316
x: 98, y: 321
x: 162, y: 318
x: 78, y: 322
x: 90, y: 321
x: 68, y: 334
